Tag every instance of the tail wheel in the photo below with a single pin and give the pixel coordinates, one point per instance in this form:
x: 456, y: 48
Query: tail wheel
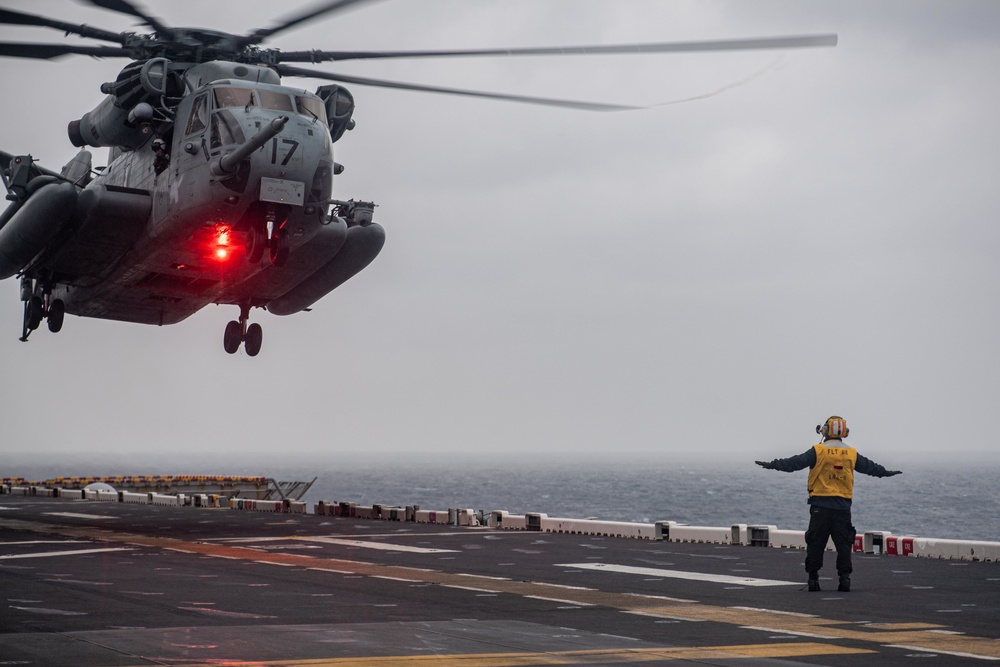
x: 57, y: 312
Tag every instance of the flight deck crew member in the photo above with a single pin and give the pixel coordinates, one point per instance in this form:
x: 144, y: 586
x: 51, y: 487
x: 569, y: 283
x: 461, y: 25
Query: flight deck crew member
x: 162, y: 158
x: 832, y: 465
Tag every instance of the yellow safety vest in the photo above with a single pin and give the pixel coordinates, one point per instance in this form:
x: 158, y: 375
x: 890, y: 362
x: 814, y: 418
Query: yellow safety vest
x: 833, y: 474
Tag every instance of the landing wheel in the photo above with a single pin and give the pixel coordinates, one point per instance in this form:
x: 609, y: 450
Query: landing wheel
x: 27, y: 320
x: 239, y: 333
x: 57, y: 312
x: 278, y: 250
x: 253, y: 339
x: 34, y: 311
x: 233, y: 337
x: 255, y: 244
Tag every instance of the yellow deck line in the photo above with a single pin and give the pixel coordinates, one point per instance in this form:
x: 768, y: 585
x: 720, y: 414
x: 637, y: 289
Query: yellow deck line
x: 585, y: 657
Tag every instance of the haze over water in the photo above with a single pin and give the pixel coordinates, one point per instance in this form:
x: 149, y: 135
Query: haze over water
x: 957, y: 501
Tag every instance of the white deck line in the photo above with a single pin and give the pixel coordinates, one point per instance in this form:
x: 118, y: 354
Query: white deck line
x: 680, y: 574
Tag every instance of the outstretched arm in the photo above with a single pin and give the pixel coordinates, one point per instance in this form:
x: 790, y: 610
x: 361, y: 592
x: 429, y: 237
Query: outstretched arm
x: 806, y: 459
x: 868, y: 467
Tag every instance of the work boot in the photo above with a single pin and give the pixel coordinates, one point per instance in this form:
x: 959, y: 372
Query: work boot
x: 813, y: 583
x: 845, y: 584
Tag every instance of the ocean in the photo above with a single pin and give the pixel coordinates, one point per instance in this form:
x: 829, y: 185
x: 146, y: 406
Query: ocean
x: 925, y: 501
x: 957, y: 503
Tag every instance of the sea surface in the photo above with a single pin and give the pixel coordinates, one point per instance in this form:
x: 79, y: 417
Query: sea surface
x: 957, y: 502
x: 925, y: 502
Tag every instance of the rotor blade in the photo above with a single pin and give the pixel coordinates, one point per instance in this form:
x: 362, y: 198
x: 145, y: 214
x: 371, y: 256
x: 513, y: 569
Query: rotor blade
x: 791, y: 42
x: 17, y: 18
x: 259, y: 35
x: 125, y: 7
x: 46, y: 51
x: 361, y: 81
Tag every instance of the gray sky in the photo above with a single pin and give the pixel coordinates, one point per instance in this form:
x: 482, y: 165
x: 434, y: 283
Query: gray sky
x: 705, y: 280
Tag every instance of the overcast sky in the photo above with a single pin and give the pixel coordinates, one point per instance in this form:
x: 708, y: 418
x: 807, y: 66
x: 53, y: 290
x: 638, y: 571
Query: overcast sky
x: 706, y: 279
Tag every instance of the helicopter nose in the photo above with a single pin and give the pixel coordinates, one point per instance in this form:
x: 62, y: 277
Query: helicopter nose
x: 228, y: 163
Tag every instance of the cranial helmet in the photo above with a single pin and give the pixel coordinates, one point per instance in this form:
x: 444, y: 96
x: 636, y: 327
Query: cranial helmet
x: 834, y: 428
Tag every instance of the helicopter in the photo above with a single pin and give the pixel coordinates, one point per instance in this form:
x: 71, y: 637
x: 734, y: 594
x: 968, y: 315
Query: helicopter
x: 214, y: 162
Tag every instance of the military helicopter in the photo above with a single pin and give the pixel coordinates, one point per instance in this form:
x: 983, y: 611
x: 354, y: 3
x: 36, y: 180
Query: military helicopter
x: 213, y: 163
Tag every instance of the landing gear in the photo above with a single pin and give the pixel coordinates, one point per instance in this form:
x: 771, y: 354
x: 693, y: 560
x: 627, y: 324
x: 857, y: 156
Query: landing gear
x: 278, y: 248
x: 240, y: 333
x: 255, y: 244
x: 270, y: 235
x: 233, y: 337
x: 57, y: 312
x: 33, y: 313
x: 253, y: 339
x: 40, y: 307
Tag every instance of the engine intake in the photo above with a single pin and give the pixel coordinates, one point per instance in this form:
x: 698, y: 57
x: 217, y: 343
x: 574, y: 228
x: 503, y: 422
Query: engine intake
x: 339, y: 109
x: 124, y: 116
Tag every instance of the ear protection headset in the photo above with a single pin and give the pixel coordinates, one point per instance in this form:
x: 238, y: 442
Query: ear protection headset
x: 835, y: 428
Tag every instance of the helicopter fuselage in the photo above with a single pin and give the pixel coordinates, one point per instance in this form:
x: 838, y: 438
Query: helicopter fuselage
x: 182, y: 220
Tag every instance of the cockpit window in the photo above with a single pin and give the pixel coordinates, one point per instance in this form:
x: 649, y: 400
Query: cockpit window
x: 311, y: 108
x: 198, y: 120
x: 277, y: 101
x: 226, y: 130
x: 233, y: 97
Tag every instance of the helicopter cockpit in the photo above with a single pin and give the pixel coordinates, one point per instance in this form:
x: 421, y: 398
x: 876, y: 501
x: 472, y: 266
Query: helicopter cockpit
x: 215, y: 108
x: 274, y: 98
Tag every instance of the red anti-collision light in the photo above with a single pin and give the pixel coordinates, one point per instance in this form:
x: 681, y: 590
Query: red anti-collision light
x: 222, y: 242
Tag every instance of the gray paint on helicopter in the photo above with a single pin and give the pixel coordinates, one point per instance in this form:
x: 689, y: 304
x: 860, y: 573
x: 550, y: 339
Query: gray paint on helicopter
x: 682, y: 281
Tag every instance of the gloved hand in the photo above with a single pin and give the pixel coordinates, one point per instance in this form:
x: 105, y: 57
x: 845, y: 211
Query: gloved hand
x: 767, y: 465
x: 890, y: 473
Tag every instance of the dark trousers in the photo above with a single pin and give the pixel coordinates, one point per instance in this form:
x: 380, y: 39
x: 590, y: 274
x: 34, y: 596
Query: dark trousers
x: 825, y: 523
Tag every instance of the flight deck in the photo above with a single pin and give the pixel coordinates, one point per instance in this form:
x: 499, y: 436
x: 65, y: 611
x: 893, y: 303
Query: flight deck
x: 91, y: 583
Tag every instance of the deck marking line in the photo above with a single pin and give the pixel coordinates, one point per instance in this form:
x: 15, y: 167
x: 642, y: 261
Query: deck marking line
x: 776, y: 611
x: 653, y: 614
x: 226, y: 614
x: 783, y: 631
x: 384, y: 546
x: 271, y: 562
x: 581, y: 657
x: 575, y: 603
x: 238, y: 540
x: 330, y: 569
x: 48, y: 542
x: 957, y: 654
x: 680, y: 574
x: 564, y: 586
x: 470, y: 588
x: 51, y: 612
x: 659, y: 597
x: 76, y: 552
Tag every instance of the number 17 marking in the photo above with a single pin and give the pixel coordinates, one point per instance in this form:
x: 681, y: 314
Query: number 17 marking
x: 288, y: 156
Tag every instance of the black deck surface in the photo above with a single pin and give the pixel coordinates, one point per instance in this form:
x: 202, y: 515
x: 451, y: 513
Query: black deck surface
x: 92, y: 583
